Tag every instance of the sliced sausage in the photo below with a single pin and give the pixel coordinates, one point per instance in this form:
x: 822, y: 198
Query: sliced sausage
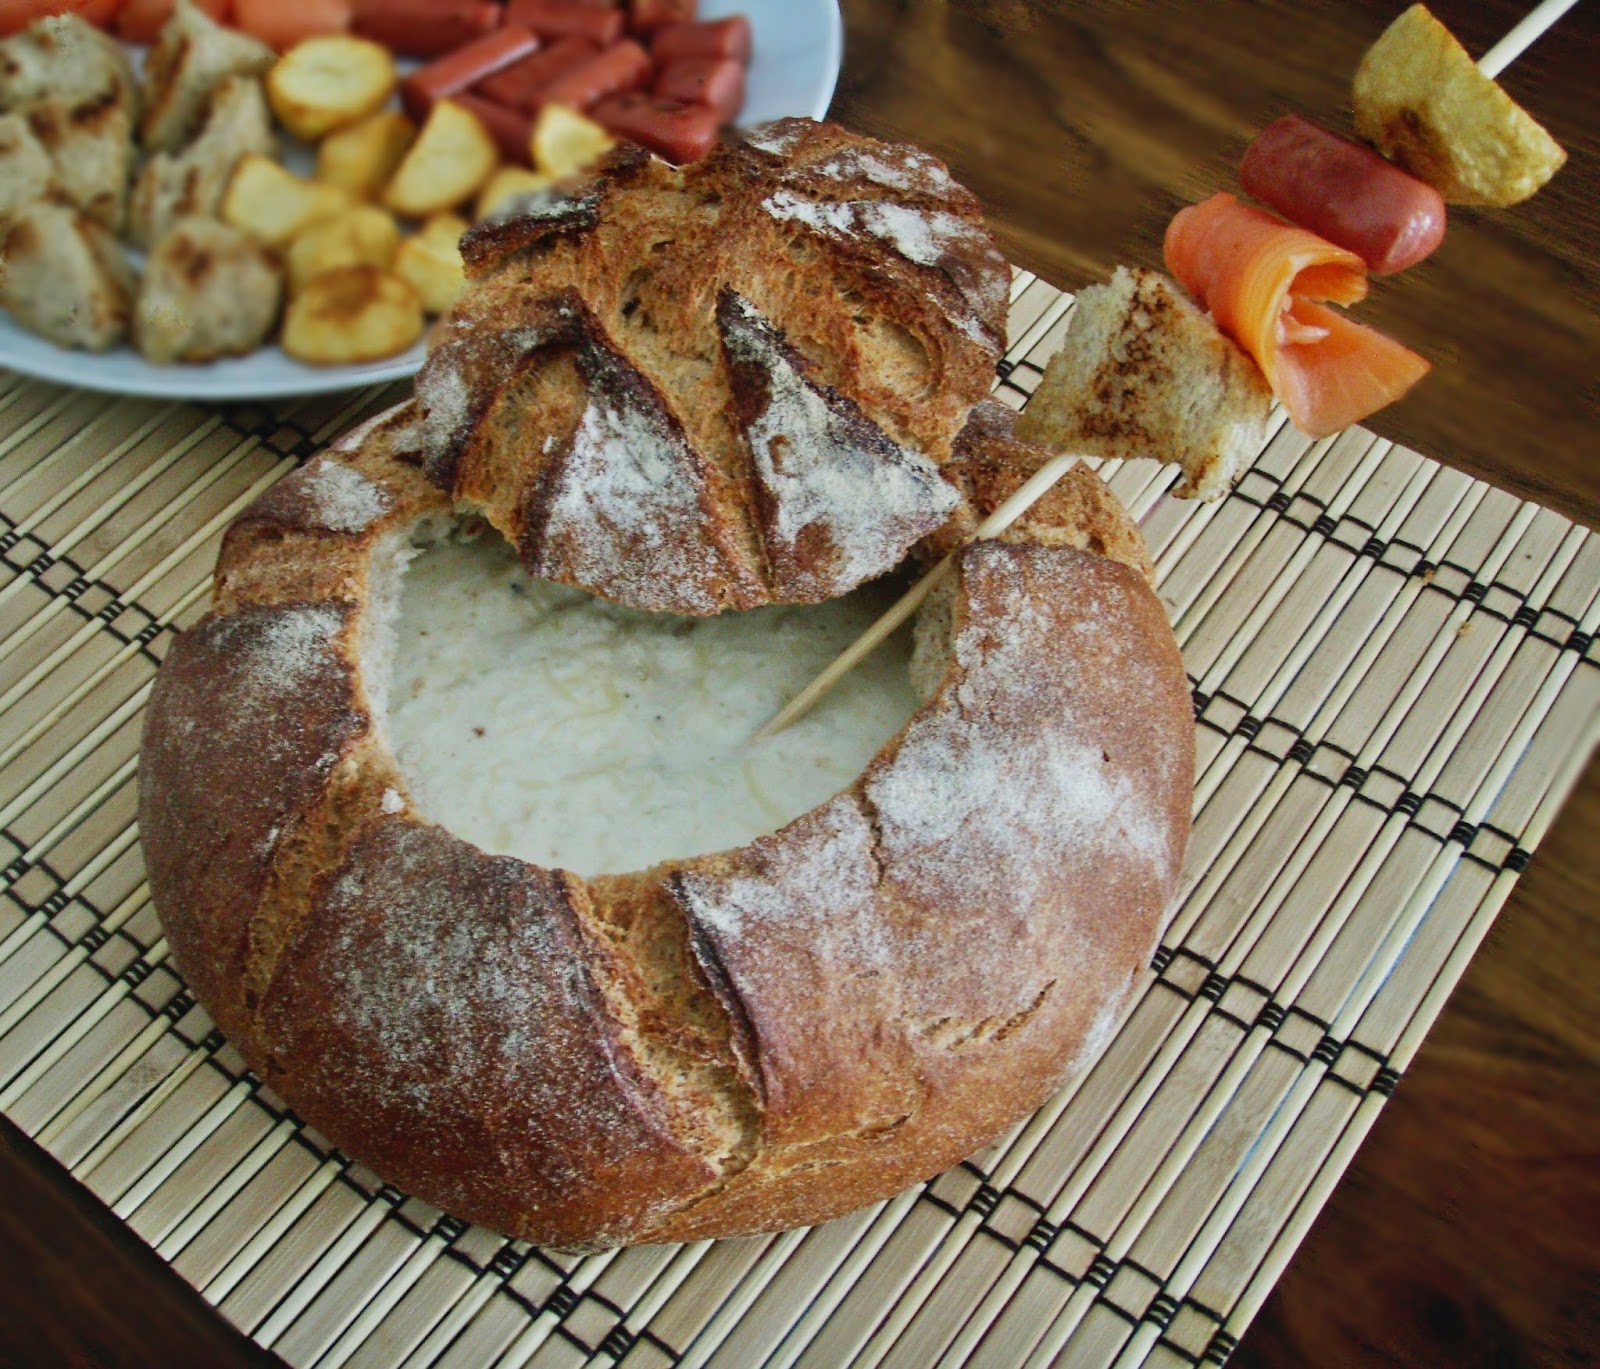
x: 465, y: 67
x: 679, y: 132
x: 644, y: 15
x: 1345, y: 193
x: 553, y: 19
x: 424, y: 28
x: 715, y: 38
x: 622, y: 67
x: 714, y: 81
x: 521, y: 85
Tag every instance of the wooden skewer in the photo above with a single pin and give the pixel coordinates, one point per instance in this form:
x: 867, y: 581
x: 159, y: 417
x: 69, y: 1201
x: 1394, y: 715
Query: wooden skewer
x: 1024, y: 498
x: 1521, y: 37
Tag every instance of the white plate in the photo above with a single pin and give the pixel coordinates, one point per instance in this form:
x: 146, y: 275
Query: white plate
x: 798, y: 46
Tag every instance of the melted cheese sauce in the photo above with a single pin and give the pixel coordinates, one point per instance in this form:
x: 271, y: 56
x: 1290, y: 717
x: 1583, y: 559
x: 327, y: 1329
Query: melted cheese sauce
x: 537, y: 721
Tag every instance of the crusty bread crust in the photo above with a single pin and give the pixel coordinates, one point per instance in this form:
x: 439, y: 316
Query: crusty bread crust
x: 721, y: 385
x: 989, y: 464
x: 734, y: 1043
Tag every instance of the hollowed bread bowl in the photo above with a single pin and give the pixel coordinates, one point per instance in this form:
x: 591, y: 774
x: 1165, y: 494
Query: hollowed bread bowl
x: 742, y: 1042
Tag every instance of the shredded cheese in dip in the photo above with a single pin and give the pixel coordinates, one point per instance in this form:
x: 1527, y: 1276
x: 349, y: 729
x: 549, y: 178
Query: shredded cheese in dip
x: 538, y: 721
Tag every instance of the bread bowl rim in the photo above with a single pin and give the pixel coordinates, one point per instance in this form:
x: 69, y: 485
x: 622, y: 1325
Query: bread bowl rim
x: 243, y: 1021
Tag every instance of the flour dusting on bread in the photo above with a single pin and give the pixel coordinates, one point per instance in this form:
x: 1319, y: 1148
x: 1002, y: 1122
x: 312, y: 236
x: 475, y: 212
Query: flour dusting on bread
x: 905, y: 169
x: 818, y: 876
x: 976, y: 789
x: 277, y: 654
x: 626, y: 514
x: 343, y: 500
x: 923, y: 236
x: 841, y: 500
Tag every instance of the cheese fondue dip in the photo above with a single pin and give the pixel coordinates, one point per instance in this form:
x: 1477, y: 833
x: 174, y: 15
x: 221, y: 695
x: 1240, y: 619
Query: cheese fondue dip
x: 538, y: 721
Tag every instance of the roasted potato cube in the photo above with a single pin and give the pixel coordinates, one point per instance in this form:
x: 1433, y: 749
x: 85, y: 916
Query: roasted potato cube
x: 565, y: 142
x: 507, y: 184
x: 363, y: 236
x: 450, y: 161
x: 1421, y: 101
x: 431, y: 261
x: 325, y: 83
x: 351, y: 315
x: 275, y: 205
x: 444, y: 228
x: 361, y: 157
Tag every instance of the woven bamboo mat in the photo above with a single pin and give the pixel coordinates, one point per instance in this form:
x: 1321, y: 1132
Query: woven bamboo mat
x: 1396, y: 683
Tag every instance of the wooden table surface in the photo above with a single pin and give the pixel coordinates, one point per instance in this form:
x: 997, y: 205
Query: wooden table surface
x: 1465, y: 1232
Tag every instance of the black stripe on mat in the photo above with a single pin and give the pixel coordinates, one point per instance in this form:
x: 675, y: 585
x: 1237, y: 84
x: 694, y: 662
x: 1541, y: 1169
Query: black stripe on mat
x: 1272, y: 1015
x: 1304, y: 754
x: 106, y: 613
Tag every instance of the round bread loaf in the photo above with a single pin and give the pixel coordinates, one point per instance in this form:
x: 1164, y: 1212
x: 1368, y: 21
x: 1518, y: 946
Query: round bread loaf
x: 721, y: 385
x: 741, y: 1042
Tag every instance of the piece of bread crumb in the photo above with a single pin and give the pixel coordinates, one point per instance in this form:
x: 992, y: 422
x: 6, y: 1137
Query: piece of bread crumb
x: 1144, y: 372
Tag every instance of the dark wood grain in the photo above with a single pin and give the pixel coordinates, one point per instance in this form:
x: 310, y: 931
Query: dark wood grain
x: 1085, y: 127
x: 1464, y: 1234
x: 77, y: 1288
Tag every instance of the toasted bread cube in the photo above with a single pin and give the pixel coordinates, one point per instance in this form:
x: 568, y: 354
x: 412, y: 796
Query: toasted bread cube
x: 363, y: 236
x: 1144, y: 372
x: 326, y: 83
x: 275, y: 205
x: 350, y: 315
x: 507, y: 184
x: 362, y: 157
x: 565, y: 142
x: 1422, y: 102
x: 451, y: 160
x: 431, y: 261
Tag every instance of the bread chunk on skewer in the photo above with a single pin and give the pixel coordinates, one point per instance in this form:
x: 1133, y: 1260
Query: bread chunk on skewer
x: 1145, y: 373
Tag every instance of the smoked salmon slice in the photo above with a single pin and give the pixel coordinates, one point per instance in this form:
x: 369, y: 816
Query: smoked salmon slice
x: 1263, y: 281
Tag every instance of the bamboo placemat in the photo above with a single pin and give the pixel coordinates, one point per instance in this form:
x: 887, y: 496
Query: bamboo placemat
x: 1396, y: 684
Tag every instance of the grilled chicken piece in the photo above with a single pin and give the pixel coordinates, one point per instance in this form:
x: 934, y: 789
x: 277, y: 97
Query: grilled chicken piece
x: 65, y: 277
x: 76, y: 89
x: 180, y: 185
x: 64, y: 58
x: 209, y: 290
x: 191, y: 58
x: 90, y: 144
x: 26, y: 172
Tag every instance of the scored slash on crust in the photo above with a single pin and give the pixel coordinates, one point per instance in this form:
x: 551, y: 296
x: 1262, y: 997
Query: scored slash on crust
x: 781, y: 449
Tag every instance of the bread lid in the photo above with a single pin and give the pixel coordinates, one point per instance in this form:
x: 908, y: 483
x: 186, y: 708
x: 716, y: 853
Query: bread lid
x: 722, y: 385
